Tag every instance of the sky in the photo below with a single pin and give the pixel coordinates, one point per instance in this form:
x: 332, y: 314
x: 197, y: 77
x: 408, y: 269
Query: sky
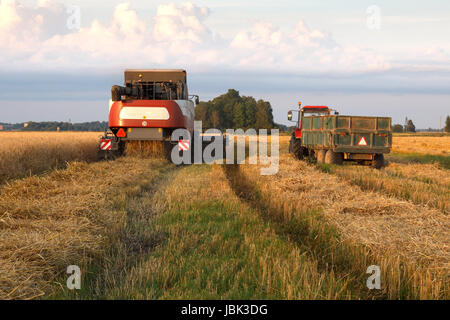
x: 58, y: 59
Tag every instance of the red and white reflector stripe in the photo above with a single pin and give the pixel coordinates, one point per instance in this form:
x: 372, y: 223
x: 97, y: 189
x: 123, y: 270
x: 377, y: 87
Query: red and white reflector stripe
x: 183, y: 145
x: 105, y: 144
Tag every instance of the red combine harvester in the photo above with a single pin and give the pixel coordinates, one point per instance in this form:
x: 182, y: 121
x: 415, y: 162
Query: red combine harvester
x: 149, y: 107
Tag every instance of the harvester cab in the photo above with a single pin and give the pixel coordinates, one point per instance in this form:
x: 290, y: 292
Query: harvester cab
x: 147, y: 109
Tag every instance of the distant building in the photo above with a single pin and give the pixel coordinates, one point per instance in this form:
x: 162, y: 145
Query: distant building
x: 1, y: 127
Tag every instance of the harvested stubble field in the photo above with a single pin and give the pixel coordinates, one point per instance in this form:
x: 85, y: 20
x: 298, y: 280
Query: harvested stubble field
x: 144, y: 228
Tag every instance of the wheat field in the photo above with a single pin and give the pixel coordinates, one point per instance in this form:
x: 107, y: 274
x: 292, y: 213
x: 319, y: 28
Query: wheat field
x: 26, y: 153
x: 436, y: 145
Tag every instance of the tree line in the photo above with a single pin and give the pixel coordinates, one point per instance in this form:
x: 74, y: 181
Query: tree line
x: 233, y: 111
x: 410, y: 127
x: 54, y: 125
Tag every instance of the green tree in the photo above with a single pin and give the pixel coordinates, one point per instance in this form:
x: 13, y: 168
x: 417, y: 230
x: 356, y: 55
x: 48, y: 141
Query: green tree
x: 215, y: 119
x: 250, y: 112
x: 239, y: 116
x: 410, y: 127
x: 397, y: 128
x: 447, y: 124
x: 203, y: 113
x: 264, y: 117
x: 230, y: 110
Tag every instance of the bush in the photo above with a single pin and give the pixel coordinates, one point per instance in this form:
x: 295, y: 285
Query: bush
x: 397, y: 128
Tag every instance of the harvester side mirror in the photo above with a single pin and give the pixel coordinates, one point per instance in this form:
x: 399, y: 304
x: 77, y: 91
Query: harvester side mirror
x: 290, y: 115
x: 195, y: 98
x: 116, y: 93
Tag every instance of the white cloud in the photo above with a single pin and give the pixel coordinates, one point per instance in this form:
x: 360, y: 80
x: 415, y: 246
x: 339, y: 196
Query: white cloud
x: 127, y: 21
x: 8, y: 15
x: 300, y: 50
x: 178, y: 36
x: 177, y: 23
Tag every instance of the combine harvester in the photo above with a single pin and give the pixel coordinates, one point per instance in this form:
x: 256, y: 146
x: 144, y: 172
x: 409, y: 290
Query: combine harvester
x: 146, y: 110
x: 334, y: 139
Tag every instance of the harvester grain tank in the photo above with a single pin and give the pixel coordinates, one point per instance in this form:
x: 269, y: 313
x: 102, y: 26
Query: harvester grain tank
x: 149, y: 107
x: 333, y: 139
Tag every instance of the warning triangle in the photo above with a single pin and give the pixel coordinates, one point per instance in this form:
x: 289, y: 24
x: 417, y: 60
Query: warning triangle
x: 362, y: 142
x: 121, y: 133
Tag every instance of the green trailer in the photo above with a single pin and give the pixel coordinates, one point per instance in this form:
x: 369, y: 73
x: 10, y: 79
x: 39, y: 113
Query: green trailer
x: 336, y: 138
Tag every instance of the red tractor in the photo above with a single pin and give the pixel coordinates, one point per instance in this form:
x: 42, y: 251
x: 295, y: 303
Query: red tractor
x: 149, y: 107
x: 333, y: 139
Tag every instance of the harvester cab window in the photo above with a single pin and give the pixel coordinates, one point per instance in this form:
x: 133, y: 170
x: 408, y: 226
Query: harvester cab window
x: 152, y: 85
x: 157, y: 90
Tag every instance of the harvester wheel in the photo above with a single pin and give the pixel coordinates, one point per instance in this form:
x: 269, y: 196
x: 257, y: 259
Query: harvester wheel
x: 378, y: 161
x: 321, y: 155
x: 332, y: 157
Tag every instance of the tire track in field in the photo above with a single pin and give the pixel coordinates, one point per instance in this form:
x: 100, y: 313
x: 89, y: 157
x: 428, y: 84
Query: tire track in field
x: 67, y: 217
x: 135, y: 239
x: 370, y: 228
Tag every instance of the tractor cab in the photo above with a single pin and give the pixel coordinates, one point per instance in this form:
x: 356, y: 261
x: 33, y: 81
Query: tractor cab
x: 307, y: 111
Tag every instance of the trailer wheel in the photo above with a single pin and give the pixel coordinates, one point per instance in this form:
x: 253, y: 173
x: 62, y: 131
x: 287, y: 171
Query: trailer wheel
x: 332, y: 157
x: 321, y: 155
x: 378, y: 161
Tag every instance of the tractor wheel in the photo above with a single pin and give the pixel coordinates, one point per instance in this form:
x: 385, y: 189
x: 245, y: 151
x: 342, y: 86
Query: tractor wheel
x: 378, y: 161
x: 292, y: 142
x: 321, y: 155
x: 297, y: 149
x: 332, y: 157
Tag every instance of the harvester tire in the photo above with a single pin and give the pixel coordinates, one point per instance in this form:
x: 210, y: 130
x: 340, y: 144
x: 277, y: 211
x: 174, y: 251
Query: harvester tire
x: 378, y: 161
x: 332, y: 157
x: 321, y: 155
